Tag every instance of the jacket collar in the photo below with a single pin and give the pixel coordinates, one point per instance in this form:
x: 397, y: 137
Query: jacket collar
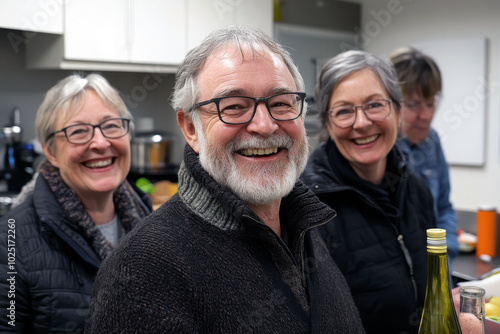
x: 53, y: 218
x: 61, y: 211
x: 321, y: 175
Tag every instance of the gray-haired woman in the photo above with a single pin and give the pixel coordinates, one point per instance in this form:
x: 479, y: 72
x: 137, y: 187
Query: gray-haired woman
x: 378, y: 239
x: 79, y: 209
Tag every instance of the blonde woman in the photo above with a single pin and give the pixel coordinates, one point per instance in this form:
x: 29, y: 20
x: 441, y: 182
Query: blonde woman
x: 78, y: 211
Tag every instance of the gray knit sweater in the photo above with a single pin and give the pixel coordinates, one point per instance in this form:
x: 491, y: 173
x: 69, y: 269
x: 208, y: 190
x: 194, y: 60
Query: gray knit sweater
x: 205, y: 263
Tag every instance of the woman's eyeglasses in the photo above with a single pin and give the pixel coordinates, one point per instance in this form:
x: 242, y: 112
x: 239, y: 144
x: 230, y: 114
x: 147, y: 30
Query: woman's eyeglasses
x: 112, y: 128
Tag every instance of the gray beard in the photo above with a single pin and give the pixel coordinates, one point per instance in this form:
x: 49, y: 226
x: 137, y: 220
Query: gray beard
x: 258, y: 184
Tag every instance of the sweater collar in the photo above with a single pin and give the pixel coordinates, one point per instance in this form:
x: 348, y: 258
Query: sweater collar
x: 221, y: 207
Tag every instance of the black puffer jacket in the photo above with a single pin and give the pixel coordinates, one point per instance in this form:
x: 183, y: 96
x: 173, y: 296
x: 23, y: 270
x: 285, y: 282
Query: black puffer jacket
x: 52, y: 274
x: 382, y: 253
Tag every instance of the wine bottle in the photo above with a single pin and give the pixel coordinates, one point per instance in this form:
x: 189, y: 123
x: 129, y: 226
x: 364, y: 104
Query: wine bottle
x: 438, y: 315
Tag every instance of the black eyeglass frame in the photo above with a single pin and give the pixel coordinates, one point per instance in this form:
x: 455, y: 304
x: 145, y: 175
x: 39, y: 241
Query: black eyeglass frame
x: 257, y: 100
x: 330, y: 111
x: 124, y: 121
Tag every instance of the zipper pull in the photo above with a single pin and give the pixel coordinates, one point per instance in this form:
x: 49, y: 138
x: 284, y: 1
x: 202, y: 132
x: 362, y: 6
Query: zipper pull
x: 406, y: 253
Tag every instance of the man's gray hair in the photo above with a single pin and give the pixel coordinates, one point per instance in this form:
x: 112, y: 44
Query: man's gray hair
x: 185, y: 93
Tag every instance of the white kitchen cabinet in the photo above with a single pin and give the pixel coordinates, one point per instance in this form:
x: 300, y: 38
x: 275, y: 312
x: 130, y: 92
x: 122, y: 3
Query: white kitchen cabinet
x: 205, y: 16
x: 158, y: 31
x: 45, y: 16
x: 96, y: 30
x: 138, y: 35
x: 256, y: 13
x: 129, y: 31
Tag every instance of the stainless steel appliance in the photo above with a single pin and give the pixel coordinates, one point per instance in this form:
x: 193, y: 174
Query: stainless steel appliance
x: 151, y: 151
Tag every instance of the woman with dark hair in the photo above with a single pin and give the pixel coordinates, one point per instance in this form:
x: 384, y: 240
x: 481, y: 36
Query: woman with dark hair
x: 378, y: 238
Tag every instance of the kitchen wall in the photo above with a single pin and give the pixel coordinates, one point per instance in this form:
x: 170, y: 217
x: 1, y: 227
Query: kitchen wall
x: 146, y: 94
x: 388, y: 24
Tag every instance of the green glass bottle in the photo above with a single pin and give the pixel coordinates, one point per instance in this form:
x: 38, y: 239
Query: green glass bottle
x: 439, y: 315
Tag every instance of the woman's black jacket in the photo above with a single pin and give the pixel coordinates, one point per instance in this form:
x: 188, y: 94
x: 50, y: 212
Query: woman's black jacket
x: 382, y: 256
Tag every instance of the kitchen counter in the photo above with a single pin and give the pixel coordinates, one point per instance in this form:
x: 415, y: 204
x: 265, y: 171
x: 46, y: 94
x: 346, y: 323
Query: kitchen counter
x: 467, y: 267
x: 169, y: 173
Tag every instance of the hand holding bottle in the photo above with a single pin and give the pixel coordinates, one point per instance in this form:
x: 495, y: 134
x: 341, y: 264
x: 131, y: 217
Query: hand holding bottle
x: 455, y: 294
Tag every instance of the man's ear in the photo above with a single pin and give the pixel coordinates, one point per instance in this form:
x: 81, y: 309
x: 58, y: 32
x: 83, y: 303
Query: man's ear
x: 188, y: 130
x: 49, y: 155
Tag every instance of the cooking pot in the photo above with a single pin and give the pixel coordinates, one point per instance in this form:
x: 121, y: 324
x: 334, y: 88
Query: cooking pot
x: 151, y: 151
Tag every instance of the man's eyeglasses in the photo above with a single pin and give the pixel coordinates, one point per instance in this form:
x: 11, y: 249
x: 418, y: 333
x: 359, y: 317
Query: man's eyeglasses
x: 112, y: 128
x: 345, y: 116
x: 241, y: 109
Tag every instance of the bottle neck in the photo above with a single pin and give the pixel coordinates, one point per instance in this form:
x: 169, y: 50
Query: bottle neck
x: 436, y: 246
x: 437, y: 272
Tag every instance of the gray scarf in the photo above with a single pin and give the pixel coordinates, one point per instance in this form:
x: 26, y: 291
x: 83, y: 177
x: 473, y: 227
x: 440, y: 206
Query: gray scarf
x: 128, y: 207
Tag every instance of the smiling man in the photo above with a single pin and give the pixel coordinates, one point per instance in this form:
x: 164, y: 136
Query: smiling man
x: 236, y: 250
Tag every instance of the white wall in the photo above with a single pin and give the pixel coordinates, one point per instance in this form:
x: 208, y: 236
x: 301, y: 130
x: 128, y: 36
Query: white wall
x: 389, y: 24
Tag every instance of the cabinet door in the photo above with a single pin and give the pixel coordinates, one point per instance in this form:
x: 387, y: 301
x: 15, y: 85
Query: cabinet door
x: 96, y: 30
x: 32, y: 15
x: 158, y: 31
x: 207, y: 15
x: 256, y: 13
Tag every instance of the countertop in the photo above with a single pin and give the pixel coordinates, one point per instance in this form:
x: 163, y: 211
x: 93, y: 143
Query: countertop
x: 467, y: 267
